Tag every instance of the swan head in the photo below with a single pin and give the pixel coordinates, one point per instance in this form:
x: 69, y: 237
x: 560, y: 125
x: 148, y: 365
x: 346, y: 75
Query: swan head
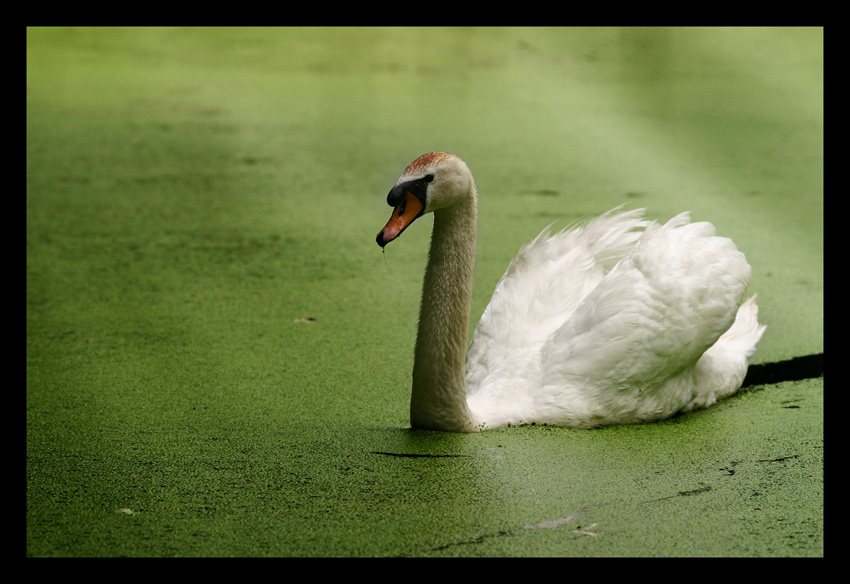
x: 433, y: 181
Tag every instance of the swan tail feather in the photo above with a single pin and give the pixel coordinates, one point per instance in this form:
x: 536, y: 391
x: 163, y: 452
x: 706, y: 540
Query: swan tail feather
x: 720, y: 371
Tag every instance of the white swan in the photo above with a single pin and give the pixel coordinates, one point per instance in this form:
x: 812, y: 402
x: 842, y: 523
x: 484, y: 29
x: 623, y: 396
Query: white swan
x: 619, y: 321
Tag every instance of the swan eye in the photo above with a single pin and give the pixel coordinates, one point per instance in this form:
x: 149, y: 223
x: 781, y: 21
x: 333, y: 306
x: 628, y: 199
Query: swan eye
x: 429, y: 177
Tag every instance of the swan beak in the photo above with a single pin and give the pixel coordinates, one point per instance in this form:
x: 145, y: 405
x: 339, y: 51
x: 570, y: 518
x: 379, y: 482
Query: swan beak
x: 403, y: 215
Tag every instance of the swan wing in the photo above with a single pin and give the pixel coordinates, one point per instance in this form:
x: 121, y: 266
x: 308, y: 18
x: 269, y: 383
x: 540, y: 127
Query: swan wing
x: 541, y: 288
x: 626, y: 352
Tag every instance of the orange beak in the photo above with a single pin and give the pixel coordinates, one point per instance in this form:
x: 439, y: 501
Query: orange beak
x: 403, y: 215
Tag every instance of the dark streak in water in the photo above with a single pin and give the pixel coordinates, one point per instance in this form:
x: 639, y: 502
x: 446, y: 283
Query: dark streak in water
x: 807, y: 367
x: 406, y: 455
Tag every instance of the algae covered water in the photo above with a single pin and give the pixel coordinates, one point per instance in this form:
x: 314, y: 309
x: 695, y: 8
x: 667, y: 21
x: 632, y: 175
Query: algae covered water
x: 219, y: 357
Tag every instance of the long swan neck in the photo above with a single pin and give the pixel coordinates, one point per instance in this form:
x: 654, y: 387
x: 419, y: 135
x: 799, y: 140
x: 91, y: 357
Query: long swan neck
x: 438, y: 401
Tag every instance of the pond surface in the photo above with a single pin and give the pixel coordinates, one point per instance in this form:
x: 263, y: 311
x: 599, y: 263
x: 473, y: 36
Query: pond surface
x: 219, y: 356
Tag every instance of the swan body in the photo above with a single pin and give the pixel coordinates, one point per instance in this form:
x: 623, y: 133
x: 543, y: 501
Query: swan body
x: 617, y: 321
